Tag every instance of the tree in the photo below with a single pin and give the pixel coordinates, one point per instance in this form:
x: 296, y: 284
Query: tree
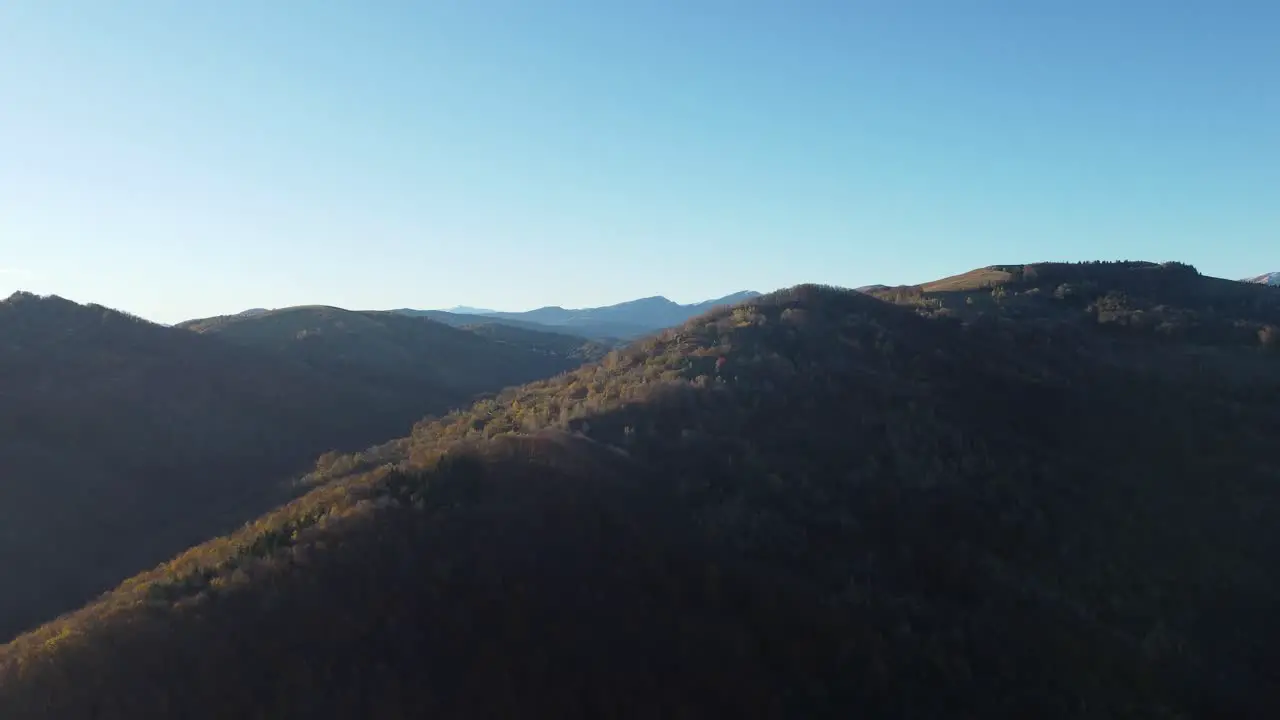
x: 1269, y: 337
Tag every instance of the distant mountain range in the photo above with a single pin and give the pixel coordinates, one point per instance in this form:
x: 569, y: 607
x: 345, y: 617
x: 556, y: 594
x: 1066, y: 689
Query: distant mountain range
x: 621, y: 321
x: 1272, y: 278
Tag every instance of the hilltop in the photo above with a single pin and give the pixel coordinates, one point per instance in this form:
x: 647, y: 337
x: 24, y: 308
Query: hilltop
x: 819, y: 503
x: 123, y: 442
x: 1167, y: 302
x: 1272, y: 278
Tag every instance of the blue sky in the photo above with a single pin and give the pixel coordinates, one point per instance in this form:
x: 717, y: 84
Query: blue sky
x: 187, y: 159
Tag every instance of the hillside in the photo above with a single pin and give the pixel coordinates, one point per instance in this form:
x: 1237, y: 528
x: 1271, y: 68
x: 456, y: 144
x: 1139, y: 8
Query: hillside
x: 551, y: 343
x: 123, y: 442
x: 388, y: 352
x: 1272, y: 278
x: 818, y: 504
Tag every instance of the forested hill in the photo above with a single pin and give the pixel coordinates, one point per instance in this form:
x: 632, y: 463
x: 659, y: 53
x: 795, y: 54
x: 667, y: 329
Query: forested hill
x: 400, y: 352
x: 1170, y: 303
x: 816, y: 504
x: 123, y: 442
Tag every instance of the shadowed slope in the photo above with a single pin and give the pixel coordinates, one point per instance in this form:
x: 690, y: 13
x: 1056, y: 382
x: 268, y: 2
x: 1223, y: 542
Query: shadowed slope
x: 122, y: 442
x: 393, y: 353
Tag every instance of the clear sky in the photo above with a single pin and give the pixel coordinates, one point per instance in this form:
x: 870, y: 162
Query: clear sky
x: 180, y: 159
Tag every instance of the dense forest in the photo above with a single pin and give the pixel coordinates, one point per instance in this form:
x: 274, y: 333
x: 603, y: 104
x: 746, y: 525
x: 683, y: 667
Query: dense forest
x: 1168, y: 302
x: 123, y: 442
x: 981, y: 497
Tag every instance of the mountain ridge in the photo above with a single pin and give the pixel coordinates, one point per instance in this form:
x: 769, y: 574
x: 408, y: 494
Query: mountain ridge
x: 965, y: 505
x: 624, y: 320
x: 102, y: 410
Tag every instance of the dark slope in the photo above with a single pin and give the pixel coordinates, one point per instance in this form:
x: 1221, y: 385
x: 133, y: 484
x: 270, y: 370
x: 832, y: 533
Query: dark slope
x: 550, y: 343
x: 395, y: 355
x: 861, y: 510
x: 122, y: 442
x: 509, y: 589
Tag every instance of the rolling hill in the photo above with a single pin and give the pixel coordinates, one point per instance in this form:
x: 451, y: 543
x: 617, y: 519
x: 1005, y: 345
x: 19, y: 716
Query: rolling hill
x: 123, y: 442
x: 819, y: 503
x: 392, y: 353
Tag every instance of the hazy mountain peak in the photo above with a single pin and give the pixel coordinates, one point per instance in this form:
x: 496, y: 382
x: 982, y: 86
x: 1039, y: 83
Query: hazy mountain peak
x: 628, y: 319
x: 1272, y: 278
x: 652, y: 301
x: 740, y: 295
